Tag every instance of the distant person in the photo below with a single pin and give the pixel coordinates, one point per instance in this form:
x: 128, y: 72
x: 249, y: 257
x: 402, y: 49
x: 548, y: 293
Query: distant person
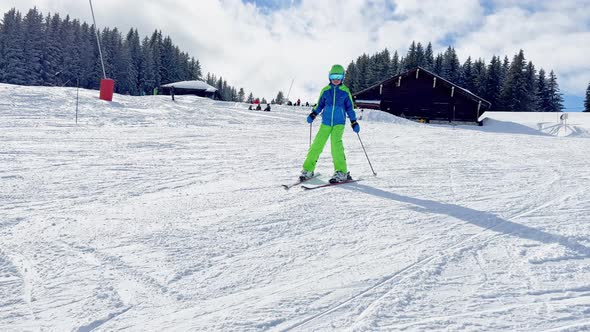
x: 258, y: 107
x: 155, y: 91
x: 306, y: 104
x: 250, y: 107
x: 289, y: 103
x: 336, y: 103
x: 257, y: 101
x: 267, y: 109
x: 298, y: 102
x: 172, y: 92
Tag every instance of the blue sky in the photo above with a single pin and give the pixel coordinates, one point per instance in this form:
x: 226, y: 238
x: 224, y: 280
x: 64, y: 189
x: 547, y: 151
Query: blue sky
x: 270, y: 5
x: 263, y: 45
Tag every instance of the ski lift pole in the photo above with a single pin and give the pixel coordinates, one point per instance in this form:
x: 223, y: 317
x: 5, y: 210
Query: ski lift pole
x: 363, y: 146
x: 98, y: 41
x: 289, y: 93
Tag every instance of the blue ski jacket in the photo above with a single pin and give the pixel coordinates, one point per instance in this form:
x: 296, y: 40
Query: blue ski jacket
x: 335, y: 102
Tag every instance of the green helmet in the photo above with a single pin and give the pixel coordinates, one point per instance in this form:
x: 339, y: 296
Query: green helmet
x: 336, y: 73
x: 337, y: 69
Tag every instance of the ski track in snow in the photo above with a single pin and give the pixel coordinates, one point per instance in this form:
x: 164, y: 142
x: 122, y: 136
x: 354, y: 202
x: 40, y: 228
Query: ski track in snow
x: 154, y: 215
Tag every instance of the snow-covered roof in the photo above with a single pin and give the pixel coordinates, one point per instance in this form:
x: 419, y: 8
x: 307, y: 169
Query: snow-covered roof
x: 193, y: 85
x: 375, y: 102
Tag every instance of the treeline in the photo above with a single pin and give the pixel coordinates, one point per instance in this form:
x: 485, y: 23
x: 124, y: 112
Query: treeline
x: 51, y: 51
x: 509, y: 85
x: 587, y: 100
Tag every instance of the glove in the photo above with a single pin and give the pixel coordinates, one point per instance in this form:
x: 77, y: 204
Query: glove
x: 355, y: 126
x: 311, y: 117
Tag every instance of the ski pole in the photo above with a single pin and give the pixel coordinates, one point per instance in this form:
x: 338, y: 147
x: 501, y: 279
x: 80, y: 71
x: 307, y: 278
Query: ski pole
x: 363, y: 146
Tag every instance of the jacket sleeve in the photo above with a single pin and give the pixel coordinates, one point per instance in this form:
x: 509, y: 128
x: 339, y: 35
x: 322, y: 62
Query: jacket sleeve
x: 348, y: 107
x: 321, y: 103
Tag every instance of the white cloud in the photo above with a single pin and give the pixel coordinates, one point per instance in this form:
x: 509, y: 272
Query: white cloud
x: 263, y: 51
x: 555, y: 39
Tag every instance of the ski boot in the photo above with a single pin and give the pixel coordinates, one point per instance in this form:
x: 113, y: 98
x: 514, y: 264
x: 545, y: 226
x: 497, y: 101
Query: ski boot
x: 305, y: 175
x: 340, y: 177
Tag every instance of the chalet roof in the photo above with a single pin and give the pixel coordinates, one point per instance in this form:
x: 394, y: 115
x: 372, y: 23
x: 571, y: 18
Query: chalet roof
x: 191, y: 85
x: 440, y: 80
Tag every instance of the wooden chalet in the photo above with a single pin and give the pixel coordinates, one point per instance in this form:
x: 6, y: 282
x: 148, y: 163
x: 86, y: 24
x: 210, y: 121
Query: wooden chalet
x: 423, y: 96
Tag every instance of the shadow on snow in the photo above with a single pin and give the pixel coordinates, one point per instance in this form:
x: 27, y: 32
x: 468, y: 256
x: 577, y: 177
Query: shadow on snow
x: 482, y: 219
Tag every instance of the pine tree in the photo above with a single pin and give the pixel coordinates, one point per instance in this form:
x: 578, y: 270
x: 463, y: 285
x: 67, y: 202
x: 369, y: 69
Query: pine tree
x: 12, y: 69
x: 77, y: 49
x: 420, y: 56
x: 97, y: 70
x: 219, y: 86
x: 118, y: 61
x: 263, y: 101
x: 514, y: 91
x: 250, y: 99
x: 394, y: 66
x: 211, y: 79
x: 381, y: 66
x: 156, y: 46
x: 226, y: 91
x: 167, y: 70
x: 350, y: 78
x: 411, y: 59
x: 355, y: 79
x: 362, y: 66
x: 241, y: 95
x: 530, y: 97
x: 479, y: 77
x: 587, y: 101
x: 543, y: 96
x: 402, y: 64
x: 429, y: 57
x: 146, y: 72
x: 132, y: 48
x: 67, y: 60
x: 556, y: 97
x: 33, y: 47
x: 234, y: 94
x: 493, y: 84
x: 467, y: 80
x: 438, y: 65
x: 280, y: 99
x: 505, y: 68
x: 451, y: 66
x: 195, y: 70
x: 51, y: 49
x: 374, y: 67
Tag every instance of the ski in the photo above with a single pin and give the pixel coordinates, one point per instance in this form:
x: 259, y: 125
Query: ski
x: 329, y: 184
x: 289, y: 186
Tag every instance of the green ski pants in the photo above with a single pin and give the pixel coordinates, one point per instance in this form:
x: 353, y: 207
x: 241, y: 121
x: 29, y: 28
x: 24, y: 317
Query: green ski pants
x: 335, y: 134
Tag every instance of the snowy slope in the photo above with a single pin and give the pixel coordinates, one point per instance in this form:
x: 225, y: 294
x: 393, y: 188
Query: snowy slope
x: 571, y: 124
x: 158, y: 216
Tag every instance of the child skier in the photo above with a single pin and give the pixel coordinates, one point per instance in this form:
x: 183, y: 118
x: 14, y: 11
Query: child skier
x: 336, y: 103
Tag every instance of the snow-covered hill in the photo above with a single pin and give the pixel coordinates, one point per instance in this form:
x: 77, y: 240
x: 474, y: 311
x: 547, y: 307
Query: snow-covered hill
x: 572, y: 124
x: 151, y: 215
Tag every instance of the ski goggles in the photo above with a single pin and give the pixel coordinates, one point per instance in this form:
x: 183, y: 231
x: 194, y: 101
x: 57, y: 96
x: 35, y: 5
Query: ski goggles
x: 336, y: 77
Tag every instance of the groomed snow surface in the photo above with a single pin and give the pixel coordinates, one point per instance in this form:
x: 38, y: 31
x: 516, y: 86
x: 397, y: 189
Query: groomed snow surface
x: 151, y: 215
